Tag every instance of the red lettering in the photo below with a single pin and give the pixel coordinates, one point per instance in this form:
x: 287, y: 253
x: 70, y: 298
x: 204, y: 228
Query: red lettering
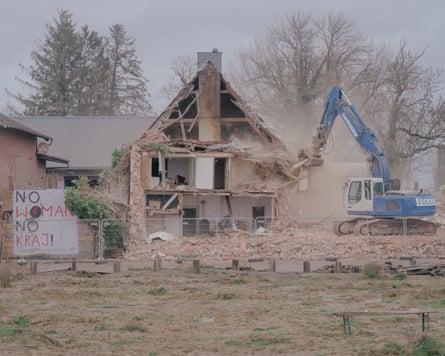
x: 19, y: 213
x: 45, y: 239
x: 35, y: 241
x: 59, y: 211
x: 48, y: 211
x: 56, y: 211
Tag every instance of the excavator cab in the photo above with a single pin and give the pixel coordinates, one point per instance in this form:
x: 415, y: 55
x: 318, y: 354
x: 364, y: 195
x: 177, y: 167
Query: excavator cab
x: 359, y: 194
x: 380, y: 212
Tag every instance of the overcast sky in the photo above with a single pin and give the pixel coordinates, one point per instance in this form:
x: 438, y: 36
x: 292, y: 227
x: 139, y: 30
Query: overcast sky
x: 165, y: 29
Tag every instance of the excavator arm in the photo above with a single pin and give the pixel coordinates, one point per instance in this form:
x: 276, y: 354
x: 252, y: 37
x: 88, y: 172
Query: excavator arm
x: 338, y: 104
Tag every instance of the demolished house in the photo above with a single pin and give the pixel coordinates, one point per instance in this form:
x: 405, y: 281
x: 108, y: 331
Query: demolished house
x: 207, y: 156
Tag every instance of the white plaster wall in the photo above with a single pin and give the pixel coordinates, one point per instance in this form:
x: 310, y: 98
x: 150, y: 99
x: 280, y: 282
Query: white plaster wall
x: 205, y: 168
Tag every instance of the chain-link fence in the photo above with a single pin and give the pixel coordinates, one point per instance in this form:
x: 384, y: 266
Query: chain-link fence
x: 275, y: 237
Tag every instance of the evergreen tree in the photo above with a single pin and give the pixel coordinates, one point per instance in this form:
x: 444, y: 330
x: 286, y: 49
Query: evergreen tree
x: 128, y: 86
x: 53, y: 73
x: 84, y: 73
x: 93, y: 76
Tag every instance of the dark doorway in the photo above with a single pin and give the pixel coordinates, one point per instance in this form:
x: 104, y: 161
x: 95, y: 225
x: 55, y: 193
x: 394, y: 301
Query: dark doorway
x: 258, y: 215
x: 220, y: 172
x: 155, y: 167
x: 189, y: 222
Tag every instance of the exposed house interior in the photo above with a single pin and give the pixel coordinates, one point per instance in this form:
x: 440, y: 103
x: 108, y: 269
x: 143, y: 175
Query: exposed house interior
x: 208, y: 156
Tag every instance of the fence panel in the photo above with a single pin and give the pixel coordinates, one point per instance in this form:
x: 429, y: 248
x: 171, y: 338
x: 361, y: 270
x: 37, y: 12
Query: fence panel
x: 283, y: 238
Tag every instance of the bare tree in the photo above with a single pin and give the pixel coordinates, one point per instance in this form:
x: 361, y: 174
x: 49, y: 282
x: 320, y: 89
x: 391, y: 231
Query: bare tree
x: 295, y: 64
x: 183, y: 67
x: 288, y: 73
x: 413, y: 120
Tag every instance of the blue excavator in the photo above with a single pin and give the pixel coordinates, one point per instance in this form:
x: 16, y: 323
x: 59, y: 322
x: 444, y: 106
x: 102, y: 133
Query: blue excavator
x: 378, y: 205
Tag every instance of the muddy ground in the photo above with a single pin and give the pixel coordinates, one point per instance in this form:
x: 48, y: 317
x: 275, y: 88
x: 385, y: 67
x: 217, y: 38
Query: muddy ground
x: 218, y: 311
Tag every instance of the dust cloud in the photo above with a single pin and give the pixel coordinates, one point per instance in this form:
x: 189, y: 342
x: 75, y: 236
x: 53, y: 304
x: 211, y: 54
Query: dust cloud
x: 321, y: 195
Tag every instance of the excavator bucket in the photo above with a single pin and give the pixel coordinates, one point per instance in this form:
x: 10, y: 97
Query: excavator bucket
x: 309, y: 159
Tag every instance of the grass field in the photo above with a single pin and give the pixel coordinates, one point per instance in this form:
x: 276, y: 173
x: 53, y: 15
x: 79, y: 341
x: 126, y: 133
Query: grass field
x: 215, y: 312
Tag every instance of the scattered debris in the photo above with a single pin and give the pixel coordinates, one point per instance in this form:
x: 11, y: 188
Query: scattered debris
x: 160, y: 235
x: 344, y: 269
x: 430, y: 270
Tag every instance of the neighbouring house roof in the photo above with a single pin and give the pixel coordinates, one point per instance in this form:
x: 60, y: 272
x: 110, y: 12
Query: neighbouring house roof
x: 10, y: 123
x: 88, y: 141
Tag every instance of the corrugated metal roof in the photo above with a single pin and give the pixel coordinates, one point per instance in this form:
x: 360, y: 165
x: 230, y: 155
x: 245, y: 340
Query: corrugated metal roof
x: 88, y: 141
x: 10, y: 123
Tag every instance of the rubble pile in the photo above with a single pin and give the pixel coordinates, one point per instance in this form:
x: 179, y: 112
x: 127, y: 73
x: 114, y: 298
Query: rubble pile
x: 289, y: 243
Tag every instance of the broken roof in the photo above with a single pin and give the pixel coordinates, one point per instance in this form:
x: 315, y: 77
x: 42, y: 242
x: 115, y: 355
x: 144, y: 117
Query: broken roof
x: 183, y: 111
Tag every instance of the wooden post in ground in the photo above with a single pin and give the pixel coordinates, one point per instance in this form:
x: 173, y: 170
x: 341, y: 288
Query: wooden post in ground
x: 33, y: 267
x: 338, y: 267
x: 306, y: 266
x: 235, y: 265
x: 272, y: 265
x: 74, y: 265
x: 157, y: 265
x: 116, y: 266
x: 196, y: 266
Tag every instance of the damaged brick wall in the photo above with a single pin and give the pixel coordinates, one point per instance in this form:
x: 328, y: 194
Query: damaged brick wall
x: 137, y: 197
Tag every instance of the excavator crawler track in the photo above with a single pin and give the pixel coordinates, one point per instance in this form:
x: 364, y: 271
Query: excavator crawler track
x: 373, y: 227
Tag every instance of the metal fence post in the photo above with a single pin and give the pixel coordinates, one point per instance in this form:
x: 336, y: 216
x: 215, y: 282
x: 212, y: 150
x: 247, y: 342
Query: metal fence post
x: 255, y: 257
x: 21, y: 260
x: 100, y: 233
x: 405, y: 255
x: 369, y: 238
x: 217, y: 236
x: 179, y: 239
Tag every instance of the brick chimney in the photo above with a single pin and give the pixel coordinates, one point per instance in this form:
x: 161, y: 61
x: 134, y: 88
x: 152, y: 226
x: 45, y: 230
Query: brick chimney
x: 215, y: 57
x: 209, y: 95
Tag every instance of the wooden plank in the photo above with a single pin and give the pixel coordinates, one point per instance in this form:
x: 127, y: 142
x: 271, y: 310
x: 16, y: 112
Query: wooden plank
x: 184, y: 137
x: 193, y: 123
x: 189, y: 106
x: 172, y: 198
